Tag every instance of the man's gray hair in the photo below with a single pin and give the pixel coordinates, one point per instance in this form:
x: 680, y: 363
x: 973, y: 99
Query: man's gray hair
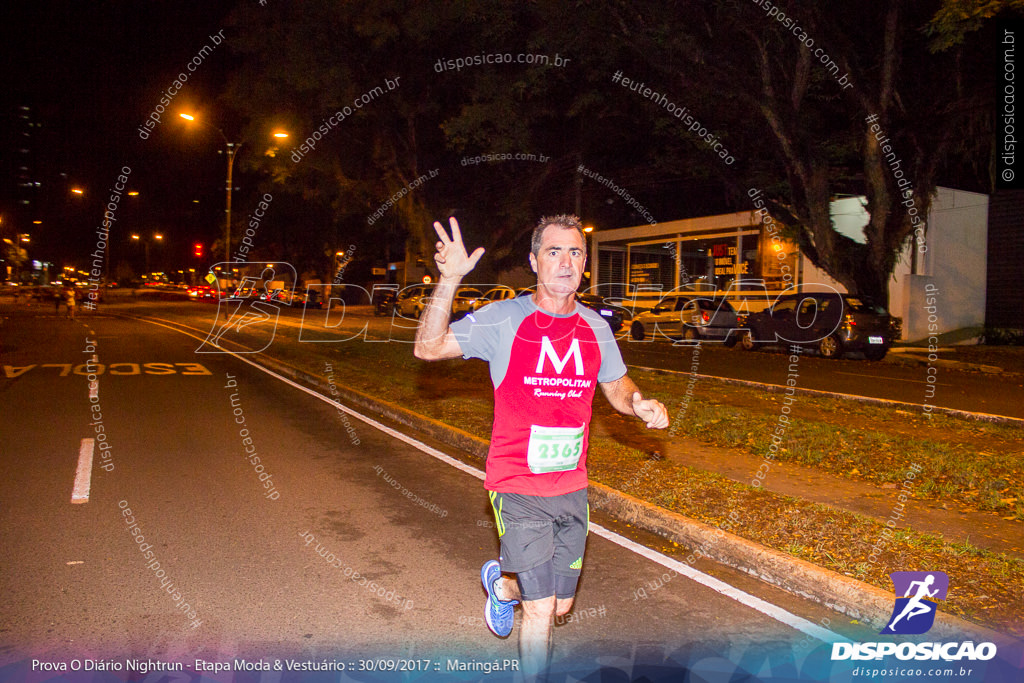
x: 562, y: 220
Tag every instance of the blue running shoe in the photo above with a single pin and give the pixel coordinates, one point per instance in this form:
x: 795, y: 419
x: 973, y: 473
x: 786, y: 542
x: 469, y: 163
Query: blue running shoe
x: 499, y: 614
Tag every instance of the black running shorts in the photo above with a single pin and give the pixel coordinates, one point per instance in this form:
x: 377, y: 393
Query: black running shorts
x: 539, y: 529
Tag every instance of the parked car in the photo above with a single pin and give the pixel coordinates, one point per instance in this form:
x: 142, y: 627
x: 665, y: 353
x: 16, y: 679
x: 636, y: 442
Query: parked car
x: 383, y: 300
x: 693, y: 318
x: 610, y: 313
x: 411, y: 301
x: 465, y: 301
x: 495, y: 294
x: 831, y: 322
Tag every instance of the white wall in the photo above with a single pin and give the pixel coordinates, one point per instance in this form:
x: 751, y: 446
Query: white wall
x: 954, y: 264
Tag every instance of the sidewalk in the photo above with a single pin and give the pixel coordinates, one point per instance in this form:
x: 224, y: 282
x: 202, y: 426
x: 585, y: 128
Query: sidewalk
x: 959, y: 349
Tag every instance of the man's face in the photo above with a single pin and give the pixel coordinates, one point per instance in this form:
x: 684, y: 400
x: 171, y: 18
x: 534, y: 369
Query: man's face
x: 559, y: 262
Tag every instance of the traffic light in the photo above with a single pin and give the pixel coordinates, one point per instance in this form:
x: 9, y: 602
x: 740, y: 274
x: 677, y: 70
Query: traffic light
x: 197, y: 250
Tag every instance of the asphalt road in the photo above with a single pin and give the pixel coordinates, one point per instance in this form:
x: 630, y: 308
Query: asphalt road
x: 260, y: 572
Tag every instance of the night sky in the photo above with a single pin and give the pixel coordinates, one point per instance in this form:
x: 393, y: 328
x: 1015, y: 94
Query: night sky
x: 92, y: 73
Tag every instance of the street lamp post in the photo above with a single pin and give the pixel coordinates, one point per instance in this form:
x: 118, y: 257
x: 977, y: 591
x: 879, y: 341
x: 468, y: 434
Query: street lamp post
x: 230, y: 149
x: 145, y: 246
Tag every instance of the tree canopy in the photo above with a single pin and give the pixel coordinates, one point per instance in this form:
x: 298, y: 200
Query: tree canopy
x: 795, y: 95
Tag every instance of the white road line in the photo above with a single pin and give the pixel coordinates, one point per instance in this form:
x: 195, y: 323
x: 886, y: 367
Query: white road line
x: 719, y: 586
x: 83, y: 475
x: 744, y: 598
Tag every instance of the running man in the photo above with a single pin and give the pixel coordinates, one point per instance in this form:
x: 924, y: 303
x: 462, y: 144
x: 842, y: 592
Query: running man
x: 547, y: 356
x: 915, y: 606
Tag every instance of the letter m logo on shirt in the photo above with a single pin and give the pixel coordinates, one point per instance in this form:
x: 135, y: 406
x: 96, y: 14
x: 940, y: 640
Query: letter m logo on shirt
x: 548, y: 351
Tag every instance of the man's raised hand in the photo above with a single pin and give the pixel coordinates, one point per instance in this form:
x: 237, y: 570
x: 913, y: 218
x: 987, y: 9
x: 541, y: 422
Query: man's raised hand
x: 451, y: 257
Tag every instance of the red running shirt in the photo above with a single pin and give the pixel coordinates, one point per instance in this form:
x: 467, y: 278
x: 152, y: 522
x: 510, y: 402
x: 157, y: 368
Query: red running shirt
x: 545, y: 369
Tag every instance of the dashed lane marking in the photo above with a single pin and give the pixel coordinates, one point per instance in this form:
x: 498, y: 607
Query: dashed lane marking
x: 83, y: 475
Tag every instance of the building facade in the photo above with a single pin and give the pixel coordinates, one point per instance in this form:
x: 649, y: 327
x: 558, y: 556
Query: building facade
x: 713, y: 253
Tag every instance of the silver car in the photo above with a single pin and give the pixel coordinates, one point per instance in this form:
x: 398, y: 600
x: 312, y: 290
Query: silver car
x: 412, y: 300
x: 692, y: 318
x: 465, y: 301
x: 495, y: 294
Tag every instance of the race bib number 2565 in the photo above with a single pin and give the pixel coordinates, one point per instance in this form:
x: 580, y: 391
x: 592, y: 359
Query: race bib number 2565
x: 554, y: 449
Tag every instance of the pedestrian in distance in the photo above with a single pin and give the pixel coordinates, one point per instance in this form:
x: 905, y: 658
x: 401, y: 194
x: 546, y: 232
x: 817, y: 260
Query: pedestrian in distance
x: 547, y: 355
x: 69, y: 299
x: 58, y: 295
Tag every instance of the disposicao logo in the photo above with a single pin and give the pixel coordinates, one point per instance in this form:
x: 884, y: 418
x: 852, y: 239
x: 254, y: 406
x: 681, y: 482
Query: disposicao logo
x: 914, y: 612
x: 917, y: 596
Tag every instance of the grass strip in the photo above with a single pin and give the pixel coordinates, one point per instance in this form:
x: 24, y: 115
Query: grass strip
x: 459, y: 394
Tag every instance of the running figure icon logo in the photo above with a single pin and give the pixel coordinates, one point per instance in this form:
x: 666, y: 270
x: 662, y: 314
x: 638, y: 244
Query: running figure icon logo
x: 914, y: 612
x: 249, y: 309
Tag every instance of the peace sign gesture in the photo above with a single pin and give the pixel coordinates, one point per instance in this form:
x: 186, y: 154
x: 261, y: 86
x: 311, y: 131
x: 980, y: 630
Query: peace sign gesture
x: 451, y: 258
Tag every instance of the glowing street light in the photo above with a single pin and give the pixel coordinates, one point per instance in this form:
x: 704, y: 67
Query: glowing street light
x: 231, y: 148
x: 145, y: 244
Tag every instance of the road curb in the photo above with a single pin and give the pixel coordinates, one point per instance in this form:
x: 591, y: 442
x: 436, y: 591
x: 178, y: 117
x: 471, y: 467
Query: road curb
x: 846, y: 595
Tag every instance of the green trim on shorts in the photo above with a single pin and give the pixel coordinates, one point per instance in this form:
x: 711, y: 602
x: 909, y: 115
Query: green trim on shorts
x: 497, y: 513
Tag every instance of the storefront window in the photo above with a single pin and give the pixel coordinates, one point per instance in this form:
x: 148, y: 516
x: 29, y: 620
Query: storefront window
x: 650, y: 266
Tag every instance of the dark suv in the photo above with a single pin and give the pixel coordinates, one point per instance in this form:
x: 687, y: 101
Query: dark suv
x: 831, y: 322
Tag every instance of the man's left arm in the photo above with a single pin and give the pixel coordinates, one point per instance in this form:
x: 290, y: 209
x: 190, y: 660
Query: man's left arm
x: 625, y: 397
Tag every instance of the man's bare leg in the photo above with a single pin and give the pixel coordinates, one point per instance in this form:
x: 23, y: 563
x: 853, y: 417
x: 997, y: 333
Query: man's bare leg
x: 536, y: 626
x: 535, y: 636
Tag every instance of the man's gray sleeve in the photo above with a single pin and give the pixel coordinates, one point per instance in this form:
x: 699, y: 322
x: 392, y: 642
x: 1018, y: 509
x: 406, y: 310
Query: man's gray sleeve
x: 479, y: 333
x: 612, y: 366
